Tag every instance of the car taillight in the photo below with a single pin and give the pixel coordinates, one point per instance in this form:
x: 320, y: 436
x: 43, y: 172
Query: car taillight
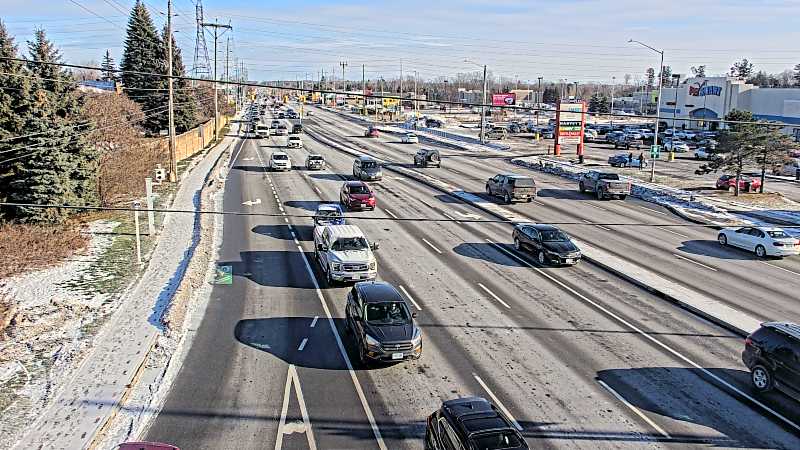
x: 748, y: 341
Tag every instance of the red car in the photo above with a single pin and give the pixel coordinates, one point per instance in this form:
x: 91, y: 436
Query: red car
x: 371, y: 132
x: 746, y: 183
x: 357, y: 195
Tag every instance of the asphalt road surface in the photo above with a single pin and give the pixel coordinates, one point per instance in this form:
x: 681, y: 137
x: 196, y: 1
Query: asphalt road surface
x: 578, y: 357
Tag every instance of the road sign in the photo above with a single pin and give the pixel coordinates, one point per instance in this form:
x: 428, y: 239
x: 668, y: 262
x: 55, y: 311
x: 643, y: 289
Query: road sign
x: 655, y: 150
x: 224, y: 275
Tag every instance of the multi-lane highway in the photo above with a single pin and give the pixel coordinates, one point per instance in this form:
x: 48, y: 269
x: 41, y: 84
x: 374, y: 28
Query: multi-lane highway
x: 578, y: 357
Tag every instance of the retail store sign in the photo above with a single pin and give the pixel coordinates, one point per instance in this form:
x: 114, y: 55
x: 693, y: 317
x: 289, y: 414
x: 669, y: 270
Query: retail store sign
x: 702, y: 89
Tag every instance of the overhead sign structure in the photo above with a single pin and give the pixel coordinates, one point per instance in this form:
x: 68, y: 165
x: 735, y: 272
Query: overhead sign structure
x: 570, y: 122
x: 507, y: 99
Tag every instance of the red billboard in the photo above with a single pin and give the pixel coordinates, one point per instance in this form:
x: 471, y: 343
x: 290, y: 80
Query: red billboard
x: 504, y: 99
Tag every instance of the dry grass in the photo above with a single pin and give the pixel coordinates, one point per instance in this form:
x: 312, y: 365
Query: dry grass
x: 6, y: 313
x: 27, y: 247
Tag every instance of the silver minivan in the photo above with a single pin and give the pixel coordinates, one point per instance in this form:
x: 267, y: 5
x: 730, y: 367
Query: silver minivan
x: 367, y: 168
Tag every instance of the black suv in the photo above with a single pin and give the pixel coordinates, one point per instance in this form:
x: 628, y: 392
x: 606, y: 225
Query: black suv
x: 471, y: 423
x: 772, y: 353
x: 381, y: 323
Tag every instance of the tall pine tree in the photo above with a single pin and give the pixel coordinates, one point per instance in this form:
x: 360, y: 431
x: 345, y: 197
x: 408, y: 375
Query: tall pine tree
x: 144, y: 53
x: 185, y: 105
x: 108, y: 68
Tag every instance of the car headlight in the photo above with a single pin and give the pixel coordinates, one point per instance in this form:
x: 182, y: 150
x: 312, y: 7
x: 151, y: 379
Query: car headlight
x: 372, y: 342
x: 335, y: 267
x: 373, y: 265
x: 417, y: 339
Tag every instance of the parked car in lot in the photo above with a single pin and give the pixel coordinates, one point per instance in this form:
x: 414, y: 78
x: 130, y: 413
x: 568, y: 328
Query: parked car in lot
x: 371, y: 132
x: 623, y: 160
x: 409, y: 138
x: 294, y: 142
x: 279, y: 161
x: 604, y: 185
x: 788, y: 168
x: 381, y: 324
x: 547, y: 242
x: 471, y: 423
x: 427, y: 157
x: 357, y: 195
x: 706, y: 153
x: 344, y: 253
x: 772, y: 354
x: 511, y: 187
x: 746, y: 184
x: 613, y: 136
x: 497, y: 132
x: 710, y: 144
x: 676, y: 146
x: 590, y: 135
x: 367, y: 168
x: 433, y: 123
x: 329, y: 214
x: 763, y: 241
x: 315, y: 162
x: 627, y: 142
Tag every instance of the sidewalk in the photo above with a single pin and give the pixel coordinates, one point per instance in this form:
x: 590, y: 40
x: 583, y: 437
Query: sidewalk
x: 85, y: 401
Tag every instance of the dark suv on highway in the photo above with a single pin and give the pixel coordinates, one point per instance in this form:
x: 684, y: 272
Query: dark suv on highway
x: 772, y: 353
x: 381, y: 323
x: 471, y: 423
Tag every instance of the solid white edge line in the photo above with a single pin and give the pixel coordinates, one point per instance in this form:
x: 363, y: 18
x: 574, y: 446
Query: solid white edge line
x: 409, y: 297
x: 693, y: 262
x: 318, y: 191
x: 781, y: 268
x: 431, y: 246
x: 389, y: 212
x: 655, y: 341
x: 655, y: 211
x: 493, y: 295
x: 634, y: 409
x: 497, y: 402
x: 356, y: 384
x: 302, y: 345
x: 314, y: 322
x: 673, y: 232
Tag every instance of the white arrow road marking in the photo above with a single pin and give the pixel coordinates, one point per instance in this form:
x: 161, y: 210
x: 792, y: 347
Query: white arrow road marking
x: 297, y: 426
x: 252, y: 202
x: 469, y: 215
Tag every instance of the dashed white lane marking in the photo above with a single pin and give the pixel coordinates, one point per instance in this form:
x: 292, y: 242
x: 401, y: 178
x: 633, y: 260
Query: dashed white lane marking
x: 781, y: 268
x: 537, y: 202
x: 594, y: 206
x: 389, y: 212
x: 654, y: 210
x: 636, y: 410
x: 598, y: 226
x: 673, y: 232
x: 694, y: 262
x: 318, y: 191
x: 286, y: 219
x: 432, y: 246
x: 497, y: 402
x: 494, y: 295
x: 302, y: 345
x: 314, y: 322
x: 410, y: 297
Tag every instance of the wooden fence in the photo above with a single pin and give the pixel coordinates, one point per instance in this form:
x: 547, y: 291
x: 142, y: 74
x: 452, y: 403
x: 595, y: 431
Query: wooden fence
x: 194, y: 140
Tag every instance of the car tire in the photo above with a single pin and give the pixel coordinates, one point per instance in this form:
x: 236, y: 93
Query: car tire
x: 362, y: 358
x: 581, y: 187
x: 599, y: 194
x: 722, y: 239
x: 517, y: 244
x: 507, y: 199
x: 621, y: 197
x: 488, y: 190
x: 541, y: 258
x: 761, y: 252
x: 761, y: 377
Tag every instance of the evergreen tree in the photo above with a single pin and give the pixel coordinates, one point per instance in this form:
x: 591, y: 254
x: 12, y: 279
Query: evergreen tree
x: 185, y: 105
x: 599, y: 103
x: 15, y: 105
x: 797, y: 75
x: 666, y: 74
x: 699, y: 71
x: 144, y: 53
x: 651, y: 77
x: 108, y: 68
x: 742, y: 69
x: 550, y: 94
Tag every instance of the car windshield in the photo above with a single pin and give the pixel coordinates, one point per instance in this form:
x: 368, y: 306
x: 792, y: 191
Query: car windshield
x: 359, y: 189
x: 495, y: 441
x: 387, y: 313
x: 294, y: 138
x: 369, y: 165
x: 411, y: 136
x: 280, y: 157
x: 608, y: 176
x: 351, y: 243
x: 553, y: 236
x: 778, y: 234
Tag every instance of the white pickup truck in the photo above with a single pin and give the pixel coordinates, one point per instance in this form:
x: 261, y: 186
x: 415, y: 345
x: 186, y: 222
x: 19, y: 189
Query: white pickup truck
x: 344, y: 254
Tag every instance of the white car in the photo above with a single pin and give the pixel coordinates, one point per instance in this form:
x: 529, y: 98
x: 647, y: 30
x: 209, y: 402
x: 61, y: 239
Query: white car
x: 279, y: 161
x: 703, y: 153
x: 410, y: 138
x: 676, y: 146
x: 763, y: 241
x: 294, y: 142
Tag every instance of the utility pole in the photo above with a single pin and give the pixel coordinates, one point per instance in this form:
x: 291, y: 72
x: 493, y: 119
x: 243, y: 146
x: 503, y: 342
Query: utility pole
x: 173, y: 157
x: 483, y: 107
x: 227, y: 62
x: 364, y: 89
x: 401, y: 88
x: 539, y: 104
x: 416, y: 105
x: 216, y: 27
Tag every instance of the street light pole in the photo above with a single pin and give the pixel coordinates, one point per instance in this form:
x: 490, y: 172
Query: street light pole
x: 215, y: 26
x: 173, y: 157
x: 658, y: 109
x: 539, y: 102
x: 483, y: 107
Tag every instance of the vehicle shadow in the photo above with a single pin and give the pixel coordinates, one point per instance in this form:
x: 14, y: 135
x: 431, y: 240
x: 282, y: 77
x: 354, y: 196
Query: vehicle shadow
x: 250, y: 168
x: 329, y: 176
x: 308, y: 205
x: 487, y: 252
x: 681, y: 402
x: 273, y: 267
x: 563, y: 194
x: 711, y: 248
x: 447, y: 198
x: 303, y: 232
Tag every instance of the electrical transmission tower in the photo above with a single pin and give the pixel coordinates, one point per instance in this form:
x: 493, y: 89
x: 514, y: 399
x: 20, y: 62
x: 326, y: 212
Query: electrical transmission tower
x: 201, y: 67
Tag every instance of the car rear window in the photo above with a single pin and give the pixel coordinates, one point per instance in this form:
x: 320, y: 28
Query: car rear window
x: 780, y: 234
x: 608, y: 176
x: 359, y: 189
x: 279, y: 156
x: 521, y: 182
x: 369, y: 164
x: 492, y: 441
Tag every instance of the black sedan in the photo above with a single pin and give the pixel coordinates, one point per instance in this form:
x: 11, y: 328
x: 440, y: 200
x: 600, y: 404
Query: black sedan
x: 548, y: 243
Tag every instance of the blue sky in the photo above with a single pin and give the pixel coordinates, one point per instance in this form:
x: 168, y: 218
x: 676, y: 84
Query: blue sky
x: 577, y: 40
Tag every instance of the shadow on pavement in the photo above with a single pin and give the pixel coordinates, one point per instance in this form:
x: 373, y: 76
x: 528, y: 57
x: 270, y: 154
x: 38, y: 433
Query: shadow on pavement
x: 273, y: 267
x: 486, y: 252
x: 712, y: 248
x: 564, y: 194
x: 308, y: 205
x: 304, y: 232
x: 250, y: 168
x: 329, y: 176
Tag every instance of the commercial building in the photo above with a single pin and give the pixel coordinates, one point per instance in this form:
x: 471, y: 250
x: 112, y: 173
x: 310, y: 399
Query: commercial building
x: 697, y: 99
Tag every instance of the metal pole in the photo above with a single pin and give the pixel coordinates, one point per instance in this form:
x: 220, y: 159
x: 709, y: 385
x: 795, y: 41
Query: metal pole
x: 539, y: 103
x: 401, y: 88
x: 173, y: 157
x: 216, y: 105
x: 416, y: 105
x: 136, y: 226
x: 483, y: 107
x: 148, y: 189
x: 364, y: 89
x: 658, y: 117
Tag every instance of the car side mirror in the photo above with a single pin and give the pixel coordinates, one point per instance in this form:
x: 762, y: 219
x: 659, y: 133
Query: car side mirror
x: 374, y: 246
x: 322, y: 248
x: 413, y: 315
